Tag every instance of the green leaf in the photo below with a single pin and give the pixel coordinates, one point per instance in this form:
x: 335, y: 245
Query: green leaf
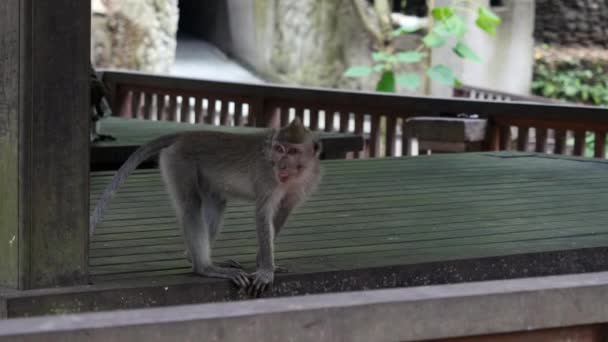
x: 387, y: 82
x: 442, y: 13
x: 380, y: 56
x: 410, y: 81
x: 433, y: 40
x: 487, y: 21
x: 410, y: 56
x: 379, y: 67
x: 456, y: 26
x: 358, y: 71
x: 442, y: 74
x: 464, y: 51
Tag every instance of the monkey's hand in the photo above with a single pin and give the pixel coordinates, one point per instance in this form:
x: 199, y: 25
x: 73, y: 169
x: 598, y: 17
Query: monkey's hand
x: 262, y: 281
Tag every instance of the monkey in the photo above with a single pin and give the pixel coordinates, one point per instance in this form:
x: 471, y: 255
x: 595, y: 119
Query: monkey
x: 277, y: 169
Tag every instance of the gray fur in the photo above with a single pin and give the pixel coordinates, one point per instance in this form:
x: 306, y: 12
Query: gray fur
x: 204, y: 170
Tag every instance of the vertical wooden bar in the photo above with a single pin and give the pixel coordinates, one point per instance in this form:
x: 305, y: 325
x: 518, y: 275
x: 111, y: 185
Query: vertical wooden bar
x: 300, y: 113
x: 391, y: 130
x: 505, y: 138
x: 541, y: 140
x: 599, y: 148
x: 314, y: 118
x: 198, y: 109
x: 147, y: 108
x: 210, y: 117
x: 123, y: 103
x: 359, y: 118
x: 160, y: 107
x: 560, y: 141
x: 329, y: 120
x: 374, y: 135
x: 172, y: 110
x: 493, y: 141
x: 184, y: 113
x: 523, y: 134
x: 238, y: 114
x: 136, y: 96
x: 224, y: 113
x: 284, y: 116
x: 344, y: 117
x: 579, y: 143
x: 44, y: 142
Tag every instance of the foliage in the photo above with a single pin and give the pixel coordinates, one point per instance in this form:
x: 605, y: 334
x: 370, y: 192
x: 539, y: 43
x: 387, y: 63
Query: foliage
x: 447, y: 27
x: 579, y: 81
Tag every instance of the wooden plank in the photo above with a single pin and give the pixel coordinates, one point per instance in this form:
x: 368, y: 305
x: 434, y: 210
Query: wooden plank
x: 130, y: 134
x: 46, y: 97
x: 451, y: 207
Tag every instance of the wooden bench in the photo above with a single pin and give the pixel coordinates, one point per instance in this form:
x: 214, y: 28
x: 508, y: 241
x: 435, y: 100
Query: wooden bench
x: 132, y: 133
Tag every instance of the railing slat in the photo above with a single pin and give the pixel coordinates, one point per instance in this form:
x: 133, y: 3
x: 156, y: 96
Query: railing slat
x: 579, y: 143
x: 599, y: 148
x: 329, y: 120
x: 344, y: 119
x: 147, y: 107
x: 391, y: 127
x: 238, y: 114
x: 135, y: 103
x: 505, y: 138
x: 184, y: 114
x: 225, y: 113
x: 541, y: 139
x: 359, y: 119
x: 160, y: 107
x: 374, y: 136
x: 210, y: 115
x: 523, y: 136
x: 172, y: 110
x: 560, y: 141
x: 198, y: 109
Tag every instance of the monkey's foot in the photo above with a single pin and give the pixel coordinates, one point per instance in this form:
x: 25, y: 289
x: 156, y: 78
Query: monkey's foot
x: 229, y: 264
x: 239, y: 277
x: 262, y: 281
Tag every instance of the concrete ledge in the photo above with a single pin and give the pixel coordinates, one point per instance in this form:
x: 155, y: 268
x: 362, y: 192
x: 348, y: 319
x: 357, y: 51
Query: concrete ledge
x: 404, y: 314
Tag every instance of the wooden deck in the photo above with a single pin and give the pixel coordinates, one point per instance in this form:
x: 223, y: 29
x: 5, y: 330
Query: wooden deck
x: 380, y: 213
x: 132, y: 133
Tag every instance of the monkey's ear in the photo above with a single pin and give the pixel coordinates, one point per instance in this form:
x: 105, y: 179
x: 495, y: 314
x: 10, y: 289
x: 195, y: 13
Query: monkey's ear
x: 317, y: 147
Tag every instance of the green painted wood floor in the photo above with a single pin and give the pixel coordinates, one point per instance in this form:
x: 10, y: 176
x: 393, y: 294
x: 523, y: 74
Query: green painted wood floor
x: 377, y: 212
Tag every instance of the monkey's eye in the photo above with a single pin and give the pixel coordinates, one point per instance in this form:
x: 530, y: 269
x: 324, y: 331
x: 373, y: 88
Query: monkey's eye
x: 279, y: 149
x: 292, y: 150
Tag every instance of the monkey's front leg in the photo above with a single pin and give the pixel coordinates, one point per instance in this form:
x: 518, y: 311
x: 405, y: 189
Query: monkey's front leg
x: 264, y: 275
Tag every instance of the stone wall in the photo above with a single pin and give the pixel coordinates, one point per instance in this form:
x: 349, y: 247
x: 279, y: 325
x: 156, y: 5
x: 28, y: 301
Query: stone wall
x: 572, y: 22
x: 304, y: 42
x: 134, y: 34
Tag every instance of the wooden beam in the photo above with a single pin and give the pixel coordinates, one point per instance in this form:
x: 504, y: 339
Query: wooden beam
x: 401, y: 314
x: 44, y: 152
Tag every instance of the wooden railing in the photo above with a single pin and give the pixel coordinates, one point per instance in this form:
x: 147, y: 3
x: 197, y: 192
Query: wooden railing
x: 379, y: 117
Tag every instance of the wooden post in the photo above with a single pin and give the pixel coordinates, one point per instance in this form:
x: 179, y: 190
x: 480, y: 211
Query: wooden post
x: 44, y: 142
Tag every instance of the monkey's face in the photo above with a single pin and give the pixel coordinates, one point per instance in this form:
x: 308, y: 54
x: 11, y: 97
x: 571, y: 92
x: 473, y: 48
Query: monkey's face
x: 291, y: 161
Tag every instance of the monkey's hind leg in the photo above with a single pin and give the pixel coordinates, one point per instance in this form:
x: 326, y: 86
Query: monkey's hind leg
x: 214, y: 207
x: 187, y: 201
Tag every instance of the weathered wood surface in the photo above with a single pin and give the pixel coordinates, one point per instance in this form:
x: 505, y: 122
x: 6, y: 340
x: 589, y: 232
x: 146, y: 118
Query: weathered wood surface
x: 563, y: 308
x: 377, y: 213
x: 132, y: 133
x: 379, y: 223
x: 44, y: 105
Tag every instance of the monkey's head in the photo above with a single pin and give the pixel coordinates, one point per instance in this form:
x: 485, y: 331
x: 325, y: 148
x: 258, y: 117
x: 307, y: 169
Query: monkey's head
x: 295, y: 152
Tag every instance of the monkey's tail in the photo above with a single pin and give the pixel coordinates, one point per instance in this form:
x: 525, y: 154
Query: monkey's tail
x: 140, y: 155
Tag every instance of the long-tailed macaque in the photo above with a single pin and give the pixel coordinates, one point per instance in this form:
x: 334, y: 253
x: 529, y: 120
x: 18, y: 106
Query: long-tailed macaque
x: 277, y: 168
